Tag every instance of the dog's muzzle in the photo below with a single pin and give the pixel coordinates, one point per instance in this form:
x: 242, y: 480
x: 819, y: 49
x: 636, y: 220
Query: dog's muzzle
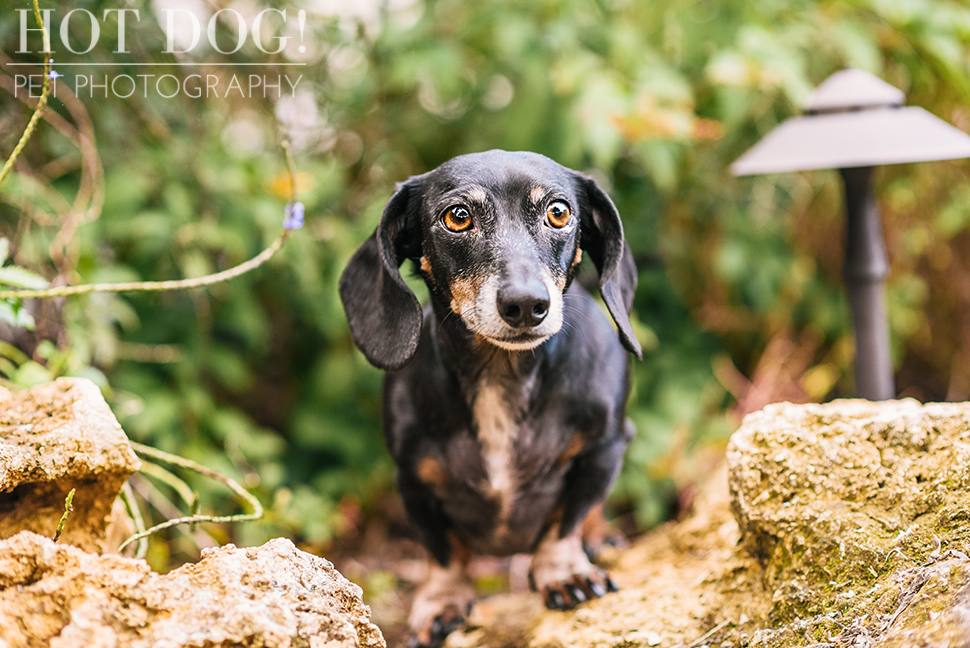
x: 515, y: 313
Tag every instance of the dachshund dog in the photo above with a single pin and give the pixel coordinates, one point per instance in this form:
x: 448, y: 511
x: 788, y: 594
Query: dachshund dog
x: 504, y: 400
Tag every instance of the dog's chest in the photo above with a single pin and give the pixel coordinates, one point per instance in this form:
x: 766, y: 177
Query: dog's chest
x: 496, y: 428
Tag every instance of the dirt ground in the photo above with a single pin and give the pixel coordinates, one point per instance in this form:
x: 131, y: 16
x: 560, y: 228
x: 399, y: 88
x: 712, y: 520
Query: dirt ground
x: 386, y: 560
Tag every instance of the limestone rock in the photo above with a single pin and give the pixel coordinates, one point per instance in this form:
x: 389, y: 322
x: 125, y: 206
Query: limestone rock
x: 851, y: 507
x: 53, y: 438
x: 271, y: 596
x: 849, y: 529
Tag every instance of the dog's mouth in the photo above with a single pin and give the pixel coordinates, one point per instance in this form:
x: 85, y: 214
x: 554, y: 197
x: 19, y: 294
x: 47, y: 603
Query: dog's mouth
x: 520, y: 342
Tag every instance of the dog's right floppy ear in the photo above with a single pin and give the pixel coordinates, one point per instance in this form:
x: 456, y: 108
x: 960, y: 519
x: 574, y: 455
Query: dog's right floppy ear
x: 384, y: 315
x: 601, y: 235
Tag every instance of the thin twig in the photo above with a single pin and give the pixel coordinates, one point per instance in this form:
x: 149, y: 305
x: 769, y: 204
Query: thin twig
x: 153, y: 286
x: 41, y: 103
x: 290, y: 168
x: 128, y: 497
x: 906, y: 597
x: 188, y: 496
x: 158, y: 500
x: 257, y: 508
x: 174, y: 284
x: 706, y: 636
x: 90, y: 197
x: 68, y: 508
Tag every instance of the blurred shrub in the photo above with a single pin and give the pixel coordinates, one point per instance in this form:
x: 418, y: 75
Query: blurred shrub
x: 259, y: 377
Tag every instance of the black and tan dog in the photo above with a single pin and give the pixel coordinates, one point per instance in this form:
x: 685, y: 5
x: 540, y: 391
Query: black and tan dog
x: 504, y: 400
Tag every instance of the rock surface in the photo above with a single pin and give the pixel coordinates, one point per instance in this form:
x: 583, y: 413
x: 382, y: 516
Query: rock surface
x: 858, y: 511
x: 845, y: 524
x: 270, y: 596
x: 53, y: 438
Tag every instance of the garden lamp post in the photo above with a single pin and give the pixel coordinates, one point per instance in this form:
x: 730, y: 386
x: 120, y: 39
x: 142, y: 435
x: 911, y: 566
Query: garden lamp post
x: 853, y: 123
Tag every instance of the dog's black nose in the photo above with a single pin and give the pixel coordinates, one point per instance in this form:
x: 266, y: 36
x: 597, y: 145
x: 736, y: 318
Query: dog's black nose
x: 523, y: 305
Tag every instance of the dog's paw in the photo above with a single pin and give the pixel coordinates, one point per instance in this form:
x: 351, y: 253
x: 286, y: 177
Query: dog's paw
x: 564, y: 576
x: 579, y: 588
x: 440, y: 606
x: 434, y: 631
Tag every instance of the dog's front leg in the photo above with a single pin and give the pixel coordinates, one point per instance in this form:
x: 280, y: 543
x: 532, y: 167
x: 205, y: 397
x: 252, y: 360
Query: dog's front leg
x: 561, y: 571
x: 563, y: 574
x: 441, y: 603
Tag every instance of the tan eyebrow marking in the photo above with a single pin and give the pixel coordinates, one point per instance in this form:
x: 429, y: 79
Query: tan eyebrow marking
x: 537, y: 194
x: 477, y: 195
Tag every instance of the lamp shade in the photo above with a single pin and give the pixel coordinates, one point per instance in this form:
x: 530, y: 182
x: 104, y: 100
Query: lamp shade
x: 854, y: 139
x: 854, y: 120
x: 853, y: 90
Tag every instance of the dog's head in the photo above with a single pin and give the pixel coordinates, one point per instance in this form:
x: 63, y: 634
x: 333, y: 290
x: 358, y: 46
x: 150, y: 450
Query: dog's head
x: 497, y: 237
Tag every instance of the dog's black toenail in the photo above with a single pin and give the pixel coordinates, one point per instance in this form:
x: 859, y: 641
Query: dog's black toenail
x: 557, y: 600
x: 576, y: 593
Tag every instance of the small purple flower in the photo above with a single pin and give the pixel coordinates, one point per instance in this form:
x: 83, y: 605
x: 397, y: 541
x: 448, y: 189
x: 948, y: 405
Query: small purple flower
x: 294, y: 216
x: 53, y: 74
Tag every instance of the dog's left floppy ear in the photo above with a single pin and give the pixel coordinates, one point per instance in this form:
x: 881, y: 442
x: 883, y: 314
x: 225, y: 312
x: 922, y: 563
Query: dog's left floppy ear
x: 601, y: 235
x: 384, y: 315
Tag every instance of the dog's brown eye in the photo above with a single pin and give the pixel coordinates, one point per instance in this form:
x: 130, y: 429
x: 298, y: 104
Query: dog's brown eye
x: 558, y: 214
x: 457, y: 219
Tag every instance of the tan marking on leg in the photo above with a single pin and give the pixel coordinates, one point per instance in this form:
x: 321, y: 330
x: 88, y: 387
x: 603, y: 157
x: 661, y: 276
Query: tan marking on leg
x: 426, y: 266
x: 557, y: 560
x: 446, y: 592
x: 573, y: 448
x: 459, y: 550
x: 596, y: 530
x: 430, y: 471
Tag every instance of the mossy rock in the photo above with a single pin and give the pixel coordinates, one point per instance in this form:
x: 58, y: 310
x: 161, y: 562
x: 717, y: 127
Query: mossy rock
x: 844, y: 524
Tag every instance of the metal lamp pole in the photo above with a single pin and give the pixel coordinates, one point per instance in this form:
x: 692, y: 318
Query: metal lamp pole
x: 853, y: 123
x: 865, y: 269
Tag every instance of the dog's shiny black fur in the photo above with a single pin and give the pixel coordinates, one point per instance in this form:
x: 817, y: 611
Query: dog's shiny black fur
x: 575, y: 382
x: 563, y: 400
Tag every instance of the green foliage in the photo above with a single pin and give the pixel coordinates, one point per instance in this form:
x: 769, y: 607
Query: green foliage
x: 259, y: 378
x: 12, y: 311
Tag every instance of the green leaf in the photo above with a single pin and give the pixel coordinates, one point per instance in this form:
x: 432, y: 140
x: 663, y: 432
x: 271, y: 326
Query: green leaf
x: 15, y: 314
x: 11, y: 352
x: 22, y: 278
x: 4, y: 250
x: 955, y: 216
x: 31, y: 374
